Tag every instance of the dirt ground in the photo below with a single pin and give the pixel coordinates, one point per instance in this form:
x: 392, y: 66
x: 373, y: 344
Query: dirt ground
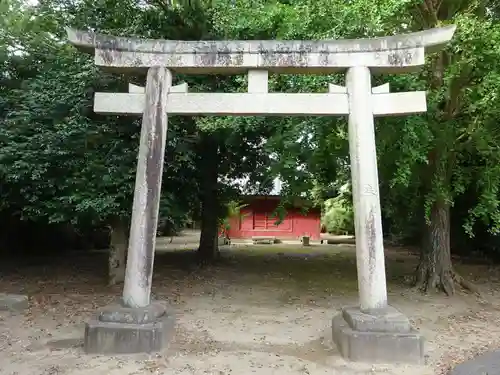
x: 262, y: 310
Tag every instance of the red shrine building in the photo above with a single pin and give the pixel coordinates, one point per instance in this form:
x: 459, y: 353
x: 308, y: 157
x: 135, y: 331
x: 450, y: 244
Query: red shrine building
x: 257, y: 219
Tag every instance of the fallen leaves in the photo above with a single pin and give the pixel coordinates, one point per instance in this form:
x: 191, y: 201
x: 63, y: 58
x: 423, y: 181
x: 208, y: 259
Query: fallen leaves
x: 64, y: 295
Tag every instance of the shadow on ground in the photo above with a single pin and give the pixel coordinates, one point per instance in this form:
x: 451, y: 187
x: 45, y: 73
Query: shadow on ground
x: 323, y: 267
x: 275, y: 301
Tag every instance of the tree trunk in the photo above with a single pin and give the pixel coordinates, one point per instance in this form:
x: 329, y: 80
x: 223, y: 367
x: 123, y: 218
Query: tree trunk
x: 435, y: 270
x: 209, y: 246
x: 208, y: 249
x: 117, y: 252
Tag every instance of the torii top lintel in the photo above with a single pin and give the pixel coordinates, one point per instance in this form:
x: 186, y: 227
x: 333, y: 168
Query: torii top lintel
x: 391, y: 54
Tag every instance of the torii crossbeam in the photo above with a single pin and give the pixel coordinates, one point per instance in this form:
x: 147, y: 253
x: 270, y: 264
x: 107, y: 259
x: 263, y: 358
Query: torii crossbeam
x: 334, y: 103
x: 373, y: 331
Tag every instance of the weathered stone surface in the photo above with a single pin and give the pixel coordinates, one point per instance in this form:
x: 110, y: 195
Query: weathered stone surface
x: 13, y: 302
x: 148, y: 179
x: 118, y: 337
x: 263, y: 240
x: 272, y: 104
x: 382, y: 89
x: 387, y: 319
x: 258, y: 81
x: 387, y: 54
x: 121, y: 314
x: 383, y: 337
x: 486, y: 364
x: 370, y: 258
x: 377, y: 347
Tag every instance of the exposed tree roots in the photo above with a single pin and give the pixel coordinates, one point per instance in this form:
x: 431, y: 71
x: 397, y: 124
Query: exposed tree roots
x: 435, y: 271
x: 428, y: 280
x: 206, y: 258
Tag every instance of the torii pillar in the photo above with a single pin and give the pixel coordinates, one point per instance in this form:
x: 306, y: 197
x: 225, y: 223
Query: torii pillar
x: 373, y: 331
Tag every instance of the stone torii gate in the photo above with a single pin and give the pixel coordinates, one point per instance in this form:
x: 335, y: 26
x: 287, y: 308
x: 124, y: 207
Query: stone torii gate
x: 372, y: 331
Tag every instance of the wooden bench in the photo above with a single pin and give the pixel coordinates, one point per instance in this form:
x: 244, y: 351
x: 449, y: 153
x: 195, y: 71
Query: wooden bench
x: 269, y: 240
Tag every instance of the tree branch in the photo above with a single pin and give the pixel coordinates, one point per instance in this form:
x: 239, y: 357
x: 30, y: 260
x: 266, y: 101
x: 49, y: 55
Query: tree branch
x: 431, y: 12
x: 164, y: 5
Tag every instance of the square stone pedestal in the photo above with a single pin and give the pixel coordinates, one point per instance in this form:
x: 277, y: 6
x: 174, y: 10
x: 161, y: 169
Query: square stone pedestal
x: 123, y: 330
x: 381, y: 336
x: 13, y: 302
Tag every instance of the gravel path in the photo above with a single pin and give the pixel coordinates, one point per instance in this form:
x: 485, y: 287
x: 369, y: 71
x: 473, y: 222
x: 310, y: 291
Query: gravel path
x: 231, y: 320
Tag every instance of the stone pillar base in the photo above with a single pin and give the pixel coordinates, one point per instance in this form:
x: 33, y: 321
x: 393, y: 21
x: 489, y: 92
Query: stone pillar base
x: 13, y: 302
x: 382, y: 336
x: 122, y: 330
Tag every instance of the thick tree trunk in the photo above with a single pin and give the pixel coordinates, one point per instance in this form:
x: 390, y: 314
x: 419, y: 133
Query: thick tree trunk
x: 435, y: 270
x: 117, y: 252
x: 208, y: 249
x: 209, y: 246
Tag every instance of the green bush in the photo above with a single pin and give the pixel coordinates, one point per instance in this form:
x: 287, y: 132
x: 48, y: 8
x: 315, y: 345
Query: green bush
x: 338, y: 216
x: 233, y: 209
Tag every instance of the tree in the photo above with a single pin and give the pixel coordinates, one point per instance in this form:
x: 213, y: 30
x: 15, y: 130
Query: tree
x: 454, y: 146
x: 62, y: 162
x: 56, y: 164
x: 308, y: 154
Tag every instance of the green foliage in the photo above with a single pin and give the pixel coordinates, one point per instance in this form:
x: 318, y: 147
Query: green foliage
x: 338, y: 216
x: 304, y: 152
x: 453, y: 148
x: 233, y: 210
x: 61, y: 162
